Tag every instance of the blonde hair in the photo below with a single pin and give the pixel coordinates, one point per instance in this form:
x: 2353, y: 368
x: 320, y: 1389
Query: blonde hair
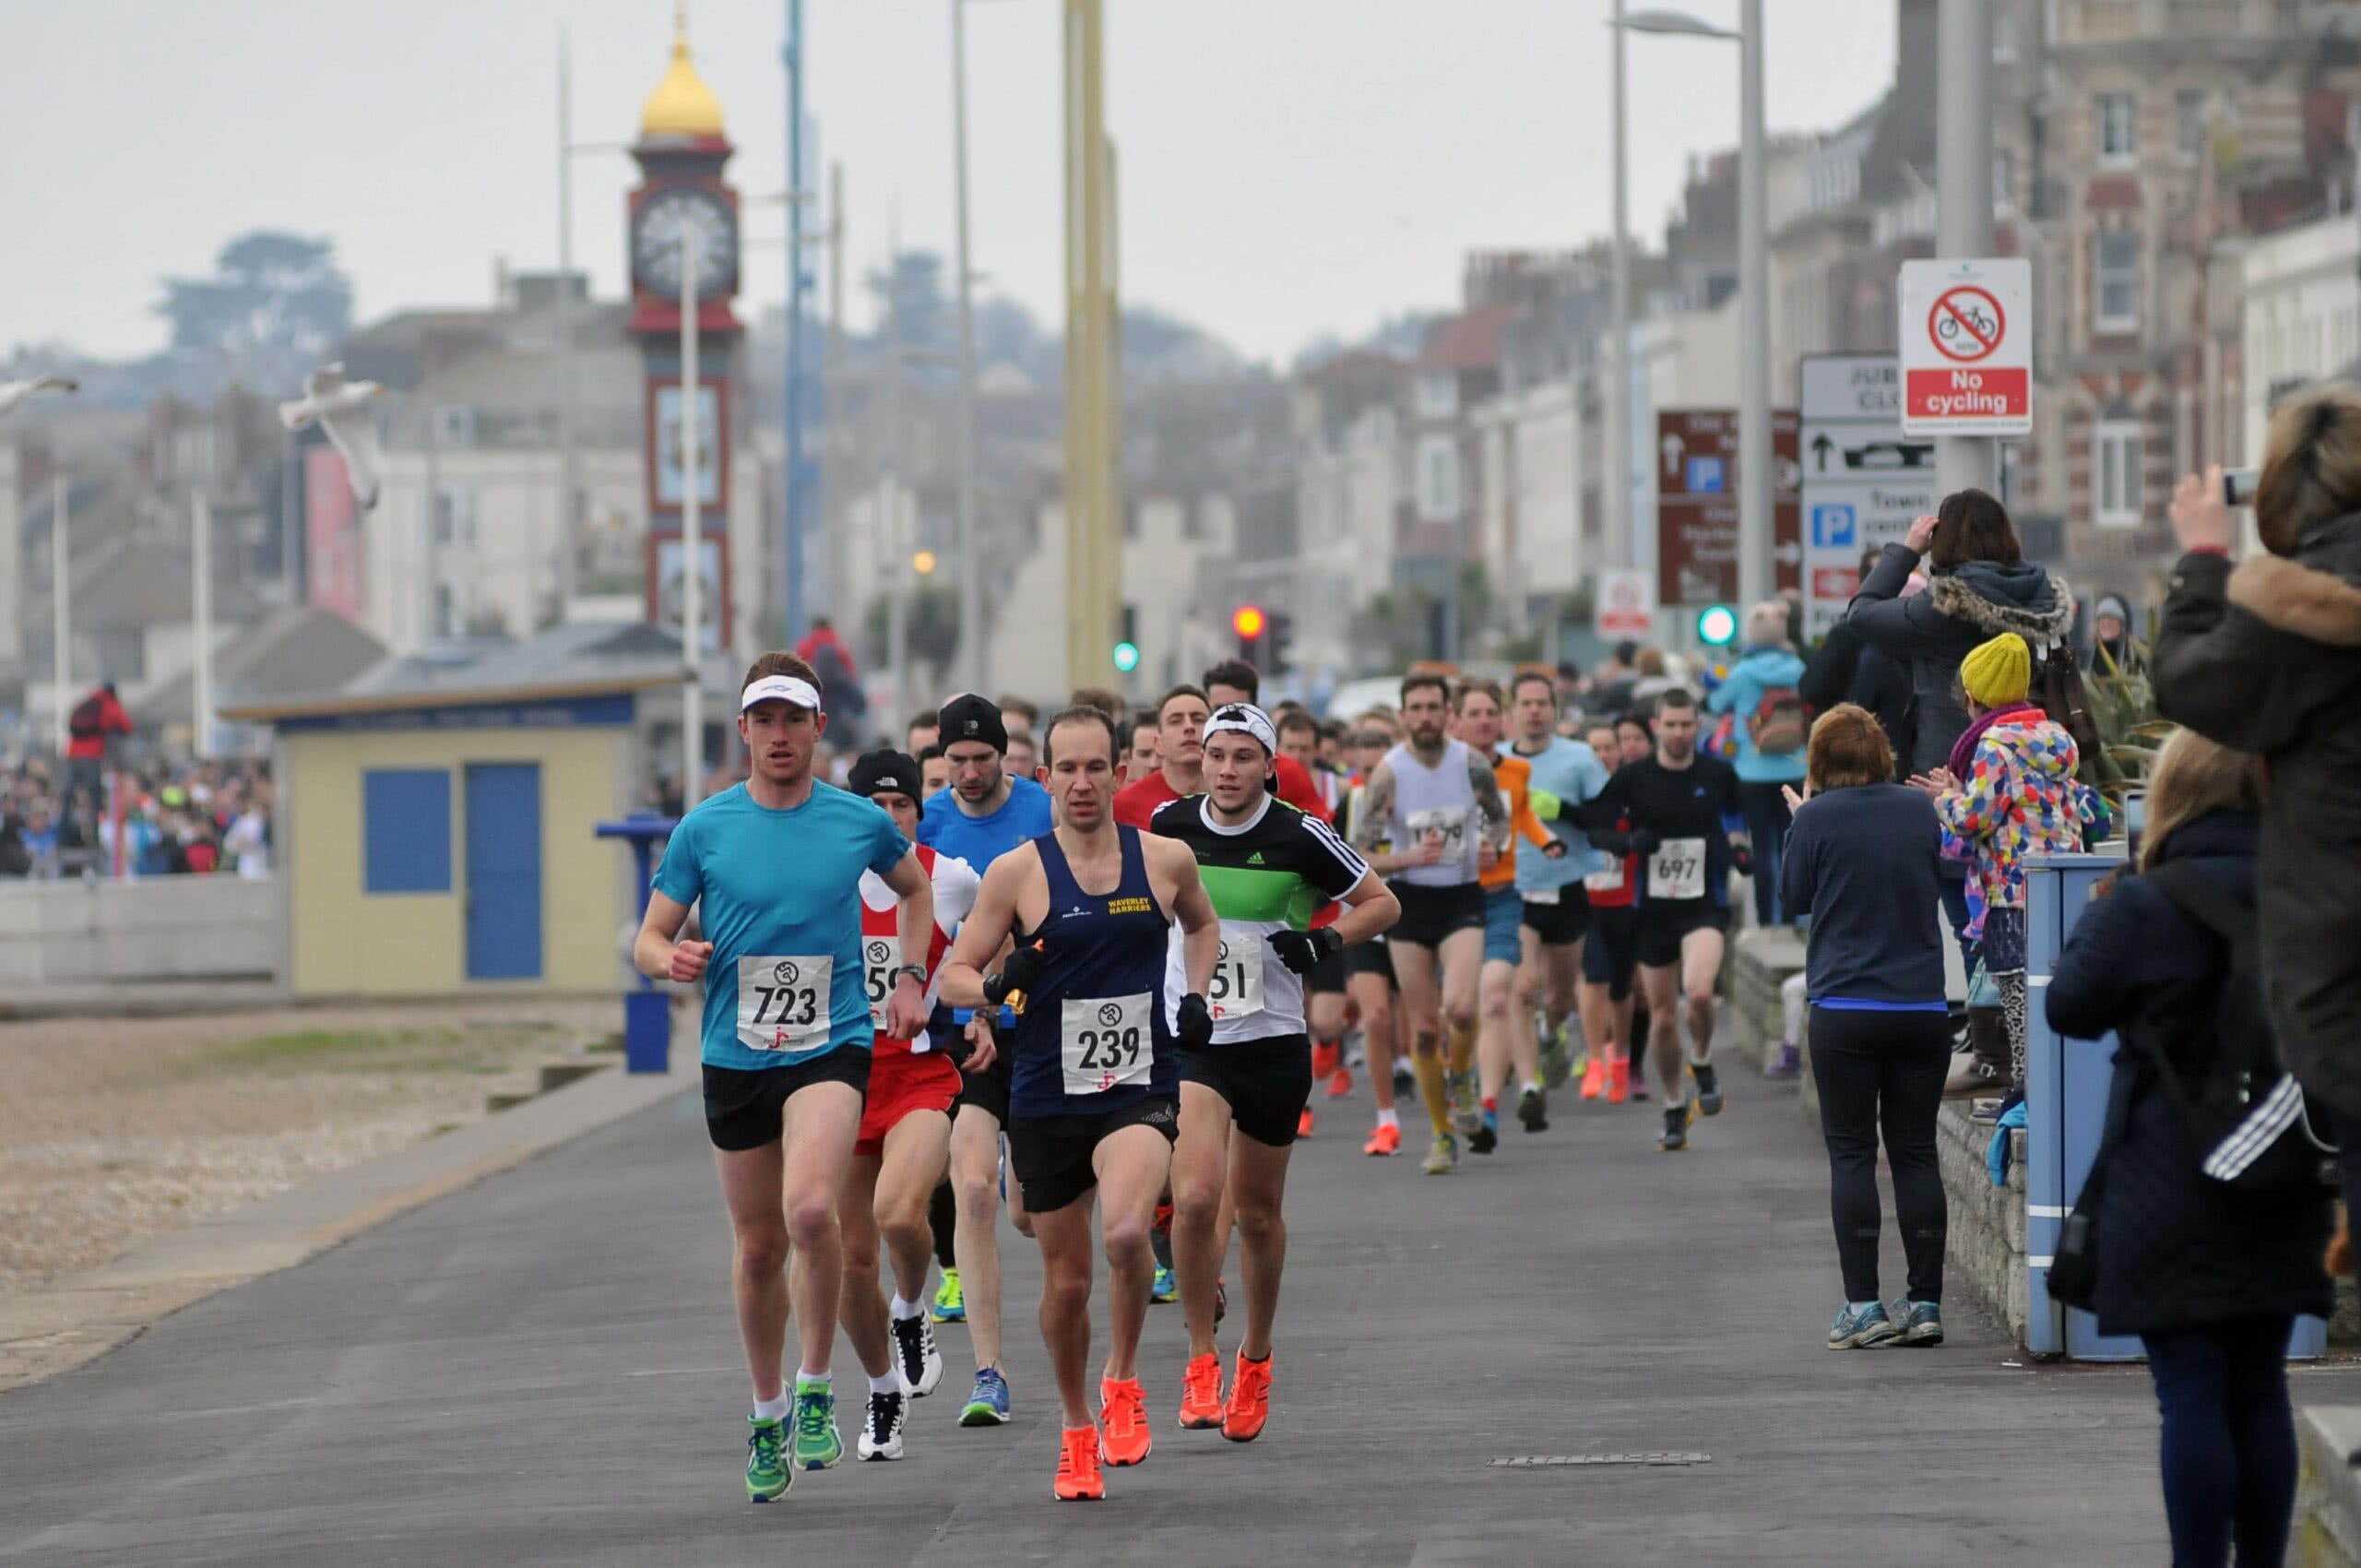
x: 2194, y: 776
x: 2311, y: 466
x: 1766, y: 624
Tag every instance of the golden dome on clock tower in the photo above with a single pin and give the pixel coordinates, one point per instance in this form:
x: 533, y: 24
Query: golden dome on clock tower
x: 681, y: 104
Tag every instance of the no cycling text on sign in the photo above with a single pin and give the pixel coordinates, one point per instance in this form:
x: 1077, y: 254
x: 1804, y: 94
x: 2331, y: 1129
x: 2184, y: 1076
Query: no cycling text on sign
x: 1966, y: 333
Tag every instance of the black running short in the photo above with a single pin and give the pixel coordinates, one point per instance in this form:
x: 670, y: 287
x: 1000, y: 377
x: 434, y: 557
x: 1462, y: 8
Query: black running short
x: 1326, y: 976
x: 1562, y: 921
x: 1662, y: 927
x: 1430, y: 914
x: 1267, y: 1082
x: 747, y: 1109
x: 1613, y: 951
x: 1368, y: 958
x: 988, y: 1090
x: 1052, y: 1155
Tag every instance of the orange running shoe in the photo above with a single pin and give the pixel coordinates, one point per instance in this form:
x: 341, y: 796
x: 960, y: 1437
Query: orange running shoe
x: 1325, y: 1058
x: 1250, y: 1400
x: 1385, y: 1140
x: 1201, y: 1394
x: 1303, y: 1123
x: 1078, y: 1478
x: 1341, y: 1085
x: 1618, y: 1081
x: 1122, y: 1419
x: 1594, y: 1078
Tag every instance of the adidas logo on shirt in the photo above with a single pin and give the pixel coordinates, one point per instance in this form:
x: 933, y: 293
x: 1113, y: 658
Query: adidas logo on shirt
x: 1255, y: 859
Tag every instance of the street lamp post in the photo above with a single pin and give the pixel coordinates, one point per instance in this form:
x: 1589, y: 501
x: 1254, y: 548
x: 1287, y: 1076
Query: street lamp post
x: 1963, y: 195
x: 61, y: 606
x: 201, y: 660
x: 1620, y: 543
x: 1754, y: 515
x: 972, y: 590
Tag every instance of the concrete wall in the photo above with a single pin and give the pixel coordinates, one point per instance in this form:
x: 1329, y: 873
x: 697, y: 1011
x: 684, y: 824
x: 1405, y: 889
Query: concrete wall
x: 346, y: 942
x: 182, y: 928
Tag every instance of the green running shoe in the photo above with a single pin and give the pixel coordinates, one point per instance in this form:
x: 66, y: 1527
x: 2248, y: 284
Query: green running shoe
x: 1165, y: 1289
x: 768, y: 1476
x: 817, y: 1446
x: 950, y: 1302
x: 1443, y: 1158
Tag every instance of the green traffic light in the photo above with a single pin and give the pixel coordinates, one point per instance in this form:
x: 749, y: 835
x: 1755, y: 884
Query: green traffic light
x: 1127, y: 656
x: 1717, y: 626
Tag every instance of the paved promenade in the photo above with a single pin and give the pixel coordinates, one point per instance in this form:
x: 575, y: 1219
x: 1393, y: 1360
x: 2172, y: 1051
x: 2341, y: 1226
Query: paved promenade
x: 542, y: 1369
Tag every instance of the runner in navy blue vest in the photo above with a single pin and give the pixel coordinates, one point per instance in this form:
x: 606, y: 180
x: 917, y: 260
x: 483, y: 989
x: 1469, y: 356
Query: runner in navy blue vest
x: 1093, y: 1100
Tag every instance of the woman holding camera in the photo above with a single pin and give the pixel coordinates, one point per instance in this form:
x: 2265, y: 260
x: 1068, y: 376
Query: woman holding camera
x: 2211, y: 1279
x: 2266, y: 658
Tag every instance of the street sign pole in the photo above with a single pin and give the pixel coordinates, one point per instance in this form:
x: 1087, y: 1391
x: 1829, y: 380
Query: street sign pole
x: 1964, y: 199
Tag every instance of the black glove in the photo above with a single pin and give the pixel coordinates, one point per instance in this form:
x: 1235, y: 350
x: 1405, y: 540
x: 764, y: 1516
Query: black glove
x: 1194, y: 1027
x: 1743, y: 858
x: 1302, y: 950
x: 1021, y: 973
x: 1642, y: 840
x: 1554, y: 850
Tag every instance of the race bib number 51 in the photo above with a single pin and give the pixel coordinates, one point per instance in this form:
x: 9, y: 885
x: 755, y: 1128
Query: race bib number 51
x: 1106, y: 1042
x: 1238, y: 978
x: 783, y: 1002
x: 1676, y: 871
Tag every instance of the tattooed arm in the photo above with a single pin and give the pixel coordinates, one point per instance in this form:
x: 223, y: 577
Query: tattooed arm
x: 1373, y: 824
x: 1490, y: 802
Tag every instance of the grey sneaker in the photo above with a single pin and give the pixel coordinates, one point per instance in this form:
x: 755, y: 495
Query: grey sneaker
x: 1860, y: 1324
x: 1919, y: 1322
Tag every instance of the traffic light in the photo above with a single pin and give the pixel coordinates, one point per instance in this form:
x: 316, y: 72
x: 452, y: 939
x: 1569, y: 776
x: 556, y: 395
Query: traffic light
x: 1717, y: 625
x: 1281, y: 631
x: 1127, y: 656
x: 1247, y: 621
x: 1127, y: 640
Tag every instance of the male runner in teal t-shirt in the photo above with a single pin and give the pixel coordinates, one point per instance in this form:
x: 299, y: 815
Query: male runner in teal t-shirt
x: 774, y: 867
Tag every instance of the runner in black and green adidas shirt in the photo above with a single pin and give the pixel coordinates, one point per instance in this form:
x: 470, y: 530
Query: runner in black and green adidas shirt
x: 1268, y: 868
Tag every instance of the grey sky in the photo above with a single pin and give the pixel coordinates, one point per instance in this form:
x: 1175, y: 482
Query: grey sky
x: 1288, y: 167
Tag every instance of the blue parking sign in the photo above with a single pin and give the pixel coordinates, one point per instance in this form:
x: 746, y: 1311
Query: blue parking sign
x: 1704, y: 476
x: 1832, y: 525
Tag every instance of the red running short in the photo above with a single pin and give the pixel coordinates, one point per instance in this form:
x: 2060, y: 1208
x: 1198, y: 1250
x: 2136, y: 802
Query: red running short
x: 900, y: 1082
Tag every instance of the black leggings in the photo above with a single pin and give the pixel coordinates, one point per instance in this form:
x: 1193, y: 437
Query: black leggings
x: 1886, y: 1069
x: 2228, y: 1440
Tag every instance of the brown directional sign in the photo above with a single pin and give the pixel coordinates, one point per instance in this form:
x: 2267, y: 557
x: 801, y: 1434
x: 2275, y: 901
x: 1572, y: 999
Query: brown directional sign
x: 1696, y: 472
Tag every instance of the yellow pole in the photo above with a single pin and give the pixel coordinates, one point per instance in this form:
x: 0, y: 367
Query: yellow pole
x: 1094, y: 436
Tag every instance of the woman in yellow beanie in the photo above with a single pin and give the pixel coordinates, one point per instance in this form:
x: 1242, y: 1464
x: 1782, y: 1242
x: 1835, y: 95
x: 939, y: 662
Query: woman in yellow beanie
x: 2007, y: 792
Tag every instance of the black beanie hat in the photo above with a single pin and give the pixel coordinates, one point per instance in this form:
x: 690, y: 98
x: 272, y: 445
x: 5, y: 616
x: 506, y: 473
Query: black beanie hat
x: 971, y: 717
x: 876, y: 772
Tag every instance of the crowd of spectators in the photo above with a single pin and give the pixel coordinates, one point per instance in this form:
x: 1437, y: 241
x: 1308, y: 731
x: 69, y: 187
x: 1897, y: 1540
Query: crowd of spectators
x: 169, y: 820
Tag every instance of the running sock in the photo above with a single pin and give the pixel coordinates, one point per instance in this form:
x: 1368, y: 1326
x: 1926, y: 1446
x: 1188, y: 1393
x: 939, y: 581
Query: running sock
x: 1463, y: 1047
x: 1532, y: 1086
x: 771, y: 1410
x: 890, y: 1384
x: 904, y: 1309
x: 1387, y: 1118
x: 1433, y: 1093
x: 1492, y: 1103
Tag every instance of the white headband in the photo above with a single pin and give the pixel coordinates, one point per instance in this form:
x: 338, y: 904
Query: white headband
x: 1244, y: 718
x: 780, y: 688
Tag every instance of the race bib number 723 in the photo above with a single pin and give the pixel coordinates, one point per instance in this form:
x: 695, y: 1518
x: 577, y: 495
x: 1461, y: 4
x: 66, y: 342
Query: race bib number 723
x: 783, y: 1002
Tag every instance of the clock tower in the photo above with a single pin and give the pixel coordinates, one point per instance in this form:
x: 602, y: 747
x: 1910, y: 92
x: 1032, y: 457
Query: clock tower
x: 681, y: 207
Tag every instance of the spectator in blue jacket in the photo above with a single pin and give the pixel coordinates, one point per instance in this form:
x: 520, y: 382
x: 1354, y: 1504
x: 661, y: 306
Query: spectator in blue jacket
x: 1770, y: 730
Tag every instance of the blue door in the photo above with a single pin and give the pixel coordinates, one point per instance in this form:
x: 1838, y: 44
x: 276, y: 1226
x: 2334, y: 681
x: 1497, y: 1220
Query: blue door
x: 505, y: 870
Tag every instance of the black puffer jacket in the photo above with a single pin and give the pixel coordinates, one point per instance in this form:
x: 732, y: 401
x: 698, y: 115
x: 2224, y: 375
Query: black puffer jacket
x: 2266, y: 658
x: 1932, y: 632
x: 2176, y: 1248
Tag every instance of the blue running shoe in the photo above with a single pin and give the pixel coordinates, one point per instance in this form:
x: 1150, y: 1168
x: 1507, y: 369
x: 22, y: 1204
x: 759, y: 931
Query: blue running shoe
x: 1860, y: 1324
x: 988, y: 1404
x: 1166, y: 1289
x: 1920, y: 1323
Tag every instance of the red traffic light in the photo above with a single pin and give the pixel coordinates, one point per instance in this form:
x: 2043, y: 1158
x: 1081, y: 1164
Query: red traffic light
x: 1247, y: 620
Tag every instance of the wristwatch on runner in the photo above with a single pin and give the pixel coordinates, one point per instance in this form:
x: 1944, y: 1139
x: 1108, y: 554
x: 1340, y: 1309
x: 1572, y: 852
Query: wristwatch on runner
x: 916, y: 971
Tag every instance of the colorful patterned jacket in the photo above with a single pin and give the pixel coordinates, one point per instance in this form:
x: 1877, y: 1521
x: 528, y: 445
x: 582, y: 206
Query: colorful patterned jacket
x: 2017, y: 798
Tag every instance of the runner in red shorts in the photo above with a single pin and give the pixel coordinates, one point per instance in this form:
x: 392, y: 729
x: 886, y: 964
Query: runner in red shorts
x: 904, y: 1144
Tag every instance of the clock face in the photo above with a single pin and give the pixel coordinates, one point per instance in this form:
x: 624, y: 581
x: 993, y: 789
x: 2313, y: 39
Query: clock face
x: 662, y: 232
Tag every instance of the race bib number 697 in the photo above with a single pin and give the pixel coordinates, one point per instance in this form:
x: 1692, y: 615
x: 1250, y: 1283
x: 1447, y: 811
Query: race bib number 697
x: 1676, y: 871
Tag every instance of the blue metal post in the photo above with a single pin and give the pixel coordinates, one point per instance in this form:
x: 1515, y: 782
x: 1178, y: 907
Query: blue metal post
x: 648, y: 1012
x: 798, y: 278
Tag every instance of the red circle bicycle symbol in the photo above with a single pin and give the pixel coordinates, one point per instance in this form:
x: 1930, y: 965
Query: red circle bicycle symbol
x: 1966, y: 324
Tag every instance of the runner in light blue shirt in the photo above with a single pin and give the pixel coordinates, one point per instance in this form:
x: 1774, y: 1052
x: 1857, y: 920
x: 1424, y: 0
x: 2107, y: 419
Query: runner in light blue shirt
x: 1565, y: 774
x: 774, y: 866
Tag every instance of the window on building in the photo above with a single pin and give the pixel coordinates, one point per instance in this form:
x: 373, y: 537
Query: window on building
x: 2115, y: 283
x: 405, y: 830
x: 1438, y: 478
x: 2189, y: 121
x: 2004, y: 35
x: 1437, y: 396
x: 2115, y: 475
x: 2119, y: 127
x: 454, y: 514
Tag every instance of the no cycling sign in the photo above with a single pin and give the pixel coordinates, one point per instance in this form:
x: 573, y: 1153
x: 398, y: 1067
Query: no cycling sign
x: 1968, y: 347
